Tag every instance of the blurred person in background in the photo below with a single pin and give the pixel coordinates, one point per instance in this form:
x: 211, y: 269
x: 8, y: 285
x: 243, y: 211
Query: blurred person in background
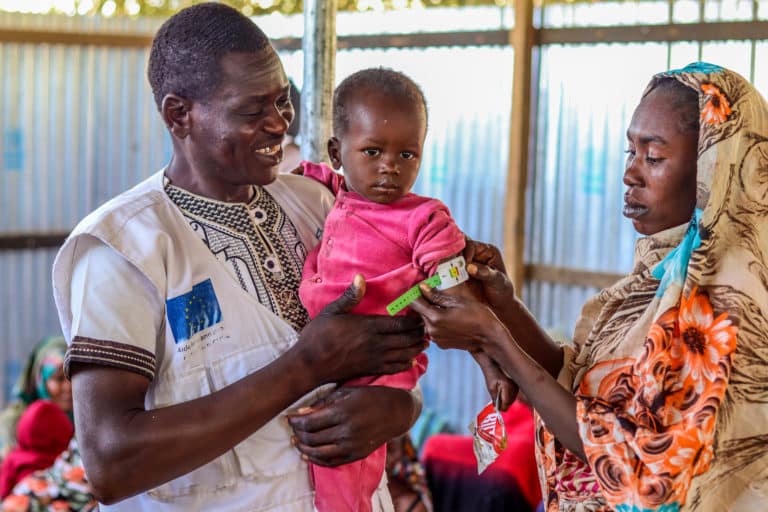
x: 41, y: 379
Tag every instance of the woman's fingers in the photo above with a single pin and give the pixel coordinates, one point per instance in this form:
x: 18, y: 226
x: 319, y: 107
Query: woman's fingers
x: 491, y: 279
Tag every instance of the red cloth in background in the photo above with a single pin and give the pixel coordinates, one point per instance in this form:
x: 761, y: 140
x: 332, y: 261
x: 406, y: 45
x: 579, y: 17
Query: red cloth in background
x: 510, y: 483
x: 43, y: 432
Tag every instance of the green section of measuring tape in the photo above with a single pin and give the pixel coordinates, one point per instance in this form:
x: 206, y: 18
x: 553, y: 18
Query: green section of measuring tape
x: 411, y: 295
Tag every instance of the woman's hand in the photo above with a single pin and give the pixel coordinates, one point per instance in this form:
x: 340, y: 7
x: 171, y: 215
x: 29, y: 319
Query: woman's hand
x: 498, y: 290
x: 455, y: 321
x: 485, y: 254
x: 340, y: 346
x: 351, y: 422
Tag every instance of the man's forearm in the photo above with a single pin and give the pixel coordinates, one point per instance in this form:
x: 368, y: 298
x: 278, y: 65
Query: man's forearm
x: 128, y: 450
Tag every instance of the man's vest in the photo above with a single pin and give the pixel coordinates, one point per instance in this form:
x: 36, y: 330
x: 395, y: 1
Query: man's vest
x: 214, y: 333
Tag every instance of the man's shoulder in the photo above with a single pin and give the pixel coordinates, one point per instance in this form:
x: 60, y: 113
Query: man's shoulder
x: 304, y: 188
x: 116, y: 212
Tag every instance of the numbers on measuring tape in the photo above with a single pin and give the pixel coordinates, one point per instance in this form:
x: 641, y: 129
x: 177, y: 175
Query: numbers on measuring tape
x: 411, y: 295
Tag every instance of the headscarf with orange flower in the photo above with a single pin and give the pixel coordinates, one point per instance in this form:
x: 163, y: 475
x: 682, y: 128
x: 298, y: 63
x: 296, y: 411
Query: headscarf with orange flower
x: 670, y: 365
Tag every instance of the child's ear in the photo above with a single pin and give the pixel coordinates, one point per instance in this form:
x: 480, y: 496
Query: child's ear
x: 334, y: 152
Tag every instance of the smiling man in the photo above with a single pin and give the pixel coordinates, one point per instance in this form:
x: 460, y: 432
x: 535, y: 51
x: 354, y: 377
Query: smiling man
x: 179, y: 299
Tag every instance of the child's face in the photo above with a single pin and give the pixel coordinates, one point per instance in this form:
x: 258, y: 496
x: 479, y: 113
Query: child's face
x: 381, y: 149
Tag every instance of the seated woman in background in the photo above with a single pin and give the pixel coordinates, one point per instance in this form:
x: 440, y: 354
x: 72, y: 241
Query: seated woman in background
x: 42, y: 378
x: 662, y: 401
x: 62, y: 487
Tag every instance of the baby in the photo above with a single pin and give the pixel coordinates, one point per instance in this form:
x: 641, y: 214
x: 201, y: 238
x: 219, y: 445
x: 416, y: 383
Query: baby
x: 379, y: 229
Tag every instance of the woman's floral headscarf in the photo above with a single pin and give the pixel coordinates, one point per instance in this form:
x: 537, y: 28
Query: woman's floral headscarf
x: 44, y: 361
x: 670, y: 366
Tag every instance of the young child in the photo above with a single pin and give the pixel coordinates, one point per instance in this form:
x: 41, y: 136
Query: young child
x: 377, y: 228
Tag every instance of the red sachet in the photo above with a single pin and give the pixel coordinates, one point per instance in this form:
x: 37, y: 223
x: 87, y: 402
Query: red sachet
x: 489, y: 436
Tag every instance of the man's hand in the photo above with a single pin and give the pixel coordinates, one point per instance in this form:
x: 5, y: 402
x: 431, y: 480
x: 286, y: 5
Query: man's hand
x: 351, y: 422
x: 340, y: 346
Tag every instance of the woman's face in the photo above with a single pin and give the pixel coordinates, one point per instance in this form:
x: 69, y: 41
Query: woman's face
x: 60, y: 389
x: 661, y: 167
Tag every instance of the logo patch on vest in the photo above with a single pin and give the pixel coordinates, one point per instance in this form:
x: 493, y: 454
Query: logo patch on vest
x: 193, y: 312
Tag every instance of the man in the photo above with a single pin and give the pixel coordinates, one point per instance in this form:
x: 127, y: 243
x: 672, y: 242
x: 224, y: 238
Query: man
x: 179, y: 300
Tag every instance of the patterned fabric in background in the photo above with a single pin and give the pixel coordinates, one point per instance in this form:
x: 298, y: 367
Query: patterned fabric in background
x: 406, y: 476
x: 672, y: 390
x: 62, y: 488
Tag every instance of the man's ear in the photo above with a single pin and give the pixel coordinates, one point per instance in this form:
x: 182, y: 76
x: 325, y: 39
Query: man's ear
x: 175, y: 111
x: 334, y: 152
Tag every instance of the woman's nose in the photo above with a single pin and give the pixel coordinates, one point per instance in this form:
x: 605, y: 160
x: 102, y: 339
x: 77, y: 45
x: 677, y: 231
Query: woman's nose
x: 632, y: 175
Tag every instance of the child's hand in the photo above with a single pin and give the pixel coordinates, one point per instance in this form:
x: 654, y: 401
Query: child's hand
x: 298, y: 171
x: 498, y: 384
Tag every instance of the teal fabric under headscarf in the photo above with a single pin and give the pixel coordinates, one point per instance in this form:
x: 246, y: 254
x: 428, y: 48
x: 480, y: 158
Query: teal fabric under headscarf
x: 674, y: 267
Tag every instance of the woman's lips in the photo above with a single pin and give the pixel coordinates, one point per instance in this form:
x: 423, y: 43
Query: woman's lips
x: 634, y: 210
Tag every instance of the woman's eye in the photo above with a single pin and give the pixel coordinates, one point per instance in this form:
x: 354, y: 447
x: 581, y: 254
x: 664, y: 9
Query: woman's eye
x: 651, y: 160
x: 371, y: 151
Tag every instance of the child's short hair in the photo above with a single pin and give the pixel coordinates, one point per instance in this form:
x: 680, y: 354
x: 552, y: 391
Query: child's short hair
x: 384, y: 81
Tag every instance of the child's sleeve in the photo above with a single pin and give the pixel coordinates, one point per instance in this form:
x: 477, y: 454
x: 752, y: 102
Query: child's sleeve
x: 434, y: 236
x: 324, y: 175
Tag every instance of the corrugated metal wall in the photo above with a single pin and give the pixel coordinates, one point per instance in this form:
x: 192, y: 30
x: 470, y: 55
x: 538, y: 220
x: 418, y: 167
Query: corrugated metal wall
x: 79, y: 126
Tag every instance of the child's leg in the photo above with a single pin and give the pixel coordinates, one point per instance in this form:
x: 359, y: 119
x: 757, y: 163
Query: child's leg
x: 349, y: 487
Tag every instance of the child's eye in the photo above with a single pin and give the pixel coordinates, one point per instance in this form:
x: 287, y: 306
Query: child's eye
x: 372, y: 151
x: 408, y: 155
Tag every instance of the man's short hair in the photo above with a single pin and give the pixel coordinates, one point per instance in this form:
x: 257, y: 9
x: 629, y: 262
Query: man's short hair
x: 382, y: 81
x: 187, y: 50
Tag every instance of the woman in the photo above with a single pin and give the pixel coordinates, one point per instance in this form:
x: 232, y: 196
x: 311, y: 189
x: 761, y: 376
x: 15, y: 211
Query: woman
x: 662, y: 402
x: 42, y: 378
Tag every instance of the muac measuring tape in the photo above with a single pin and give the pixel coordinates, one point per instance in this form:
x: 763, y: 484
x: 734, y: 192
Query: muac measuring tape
x: 449, y: 274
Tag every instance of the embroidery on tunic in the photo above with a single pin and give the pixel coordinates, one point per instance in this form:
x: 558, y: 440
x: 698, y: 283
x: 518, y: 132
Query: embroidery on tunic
x: 258, y: 244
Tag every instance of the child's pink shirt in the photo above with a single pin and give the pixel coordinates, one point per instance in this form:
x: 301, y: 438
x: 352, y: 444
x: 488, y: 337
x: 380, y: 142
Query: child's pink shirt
x: 394, y: 246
